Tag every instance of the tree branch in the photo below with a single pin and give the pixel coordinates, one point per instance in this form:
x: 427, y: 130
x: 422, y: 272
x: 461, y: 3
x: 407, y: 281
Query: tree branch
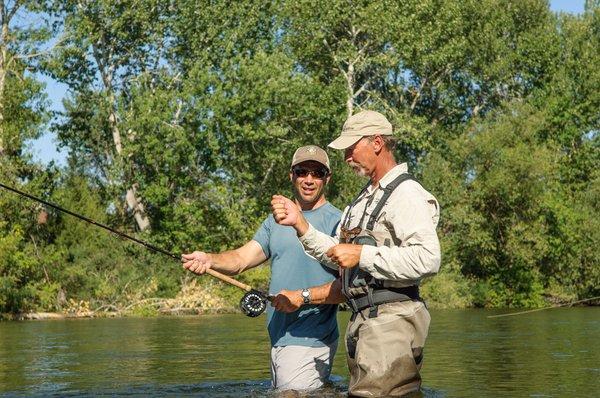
x: 418, y: 94
x: 13, y: 11
x: 267, y: 174
x: 47, y: 51
x: 361, y: 89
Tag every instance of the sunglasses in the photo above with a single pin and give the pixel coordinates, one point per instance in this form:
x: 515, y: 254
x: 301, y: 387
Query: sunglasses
x: 303, y: 172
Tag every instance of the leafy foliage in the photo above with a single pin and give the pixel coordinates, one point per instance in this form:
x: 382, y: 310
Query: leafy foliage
x: 195, y: 108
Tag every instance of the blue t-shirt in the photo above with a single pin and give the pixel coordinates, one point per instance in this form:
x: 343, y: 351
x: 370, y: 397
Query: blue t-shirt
x: 293, y: 269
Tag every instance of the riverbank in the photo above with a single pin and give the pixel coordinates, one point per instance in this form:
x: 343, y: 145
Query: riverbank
x: 166, y: 308
x: 143, y: 310
x: 38, y: 316
x: 207, y: 296
x: 193, y: 299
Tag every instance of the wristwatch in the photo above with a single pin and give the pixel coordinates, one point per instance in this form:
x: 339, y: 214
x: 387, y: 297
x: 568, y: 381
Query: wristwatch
x: 305, y: 296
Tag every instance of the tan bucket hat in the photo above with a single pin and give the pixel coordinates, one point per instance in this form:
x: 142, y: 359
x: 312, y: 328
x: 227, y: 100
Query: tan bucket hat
x: 310, y: 152
x: 362, y: 124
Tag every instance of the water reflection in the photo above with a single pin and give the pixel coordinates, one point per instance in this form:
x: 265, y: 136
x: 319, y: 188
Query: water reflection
x: 550, y: 353
x: 515, y: 356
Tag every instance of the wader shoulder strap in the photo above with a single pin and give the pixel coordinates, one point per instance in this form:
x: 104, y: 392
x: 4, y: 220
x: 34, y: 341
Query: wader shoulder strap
x: 387, y: 191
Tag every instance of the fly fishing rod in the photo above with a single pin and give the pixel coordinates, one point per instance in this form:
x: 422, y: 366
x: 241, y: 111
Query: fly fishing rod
x: 253, y: 303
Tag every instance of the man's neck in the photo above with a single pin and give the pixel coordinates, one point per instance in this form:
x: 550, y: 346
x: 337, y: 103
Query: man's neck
x: 384, y: 164
x: 312, y: 205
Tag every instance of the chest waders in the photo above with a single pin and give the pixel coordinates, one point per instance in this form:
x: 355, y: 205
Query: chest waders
x: 358, y: 286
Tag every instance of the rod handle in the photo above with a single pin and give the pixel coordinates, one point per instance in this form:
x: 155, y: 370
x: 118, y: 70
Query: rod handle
x: 228, y: 279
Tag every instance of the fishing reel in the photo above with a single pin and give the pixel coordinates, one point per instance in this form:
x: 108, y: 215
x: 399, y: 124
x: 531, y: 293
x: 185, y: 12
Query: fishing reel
x: 254, y: 303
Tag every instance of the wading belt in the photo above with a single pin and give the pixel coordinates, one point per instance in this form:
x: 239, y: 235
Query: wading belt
x: 384, y: 295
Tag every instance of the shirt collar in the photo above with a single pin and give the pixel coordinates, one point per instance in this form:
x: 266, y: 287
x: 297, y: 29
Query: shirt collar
x: 390, y: 176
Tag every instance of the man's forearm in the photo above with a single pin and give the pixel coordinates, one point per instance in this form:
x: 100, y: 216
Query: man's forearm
x: 292, y: 300
x: 330, y: 293
x: 317, y: 243
x: 228, y: 262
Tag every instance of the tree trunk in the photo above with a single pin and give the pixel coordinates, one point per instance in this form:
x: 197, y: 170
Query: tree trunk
x: 350, y: 90
x: 3, y: 70
x: 131, y: 197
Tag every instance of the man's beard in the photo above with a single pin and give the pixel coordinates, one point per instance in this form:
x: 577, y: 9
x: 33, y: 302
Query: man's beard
x: 358, y: 169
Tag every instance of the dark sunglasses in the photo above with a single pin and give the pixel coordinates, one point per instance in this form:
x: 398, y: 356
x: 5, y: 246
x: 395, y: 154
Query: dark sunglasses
x: 318, y: 173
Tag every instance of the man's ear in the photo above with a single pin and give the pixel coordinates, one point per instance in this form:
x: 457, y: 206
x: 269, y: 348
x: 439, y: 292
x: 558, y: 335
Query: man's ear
x: 291, y: 176
x: 378, y: 143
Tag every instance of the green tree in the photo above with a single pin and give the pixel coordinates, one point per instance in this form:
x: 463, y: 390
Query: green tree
x: 108, y: 44
x: 23, y: 114
x: 571, y: 100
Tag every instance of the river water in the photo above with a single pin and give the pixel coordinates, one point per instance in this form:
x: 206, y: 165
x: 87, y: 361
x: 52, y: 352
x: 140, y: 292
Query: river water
x: 553, y: 353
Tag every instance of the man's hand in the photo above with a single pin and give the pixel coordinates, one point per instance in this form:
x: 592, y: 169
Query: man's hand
x: 288, y: 213
x: 288, y: 300
x: 196, y: 262
x: 285, y: 211
x: 345, y: 255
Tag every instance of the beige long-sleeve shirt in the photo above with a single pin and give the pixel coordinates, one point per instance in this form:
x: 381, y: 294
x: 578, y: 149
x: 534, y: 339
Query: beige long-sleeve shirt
x: 410, y: 215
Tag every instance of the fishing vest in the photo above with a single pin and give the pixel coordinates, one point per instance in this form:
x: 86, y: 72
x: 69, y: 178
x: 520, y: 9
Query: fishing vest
x: 358, y: 286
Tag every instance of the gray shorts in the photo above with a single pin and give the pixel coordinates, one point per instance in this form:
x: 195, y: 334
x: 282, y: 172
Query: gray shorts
x: 296, y: 367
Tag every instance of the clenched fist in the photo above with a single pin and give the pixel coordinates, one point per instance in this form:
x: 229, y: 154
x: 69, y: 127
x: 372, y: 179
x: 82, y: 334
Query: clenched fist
x: 345, y: 255
x: 287, y: 301
x: 285, y: 211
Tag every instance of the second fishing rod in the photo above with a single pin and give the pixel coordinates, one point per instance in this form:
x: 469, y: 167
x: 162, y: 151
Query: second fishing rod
x: 253, y: 303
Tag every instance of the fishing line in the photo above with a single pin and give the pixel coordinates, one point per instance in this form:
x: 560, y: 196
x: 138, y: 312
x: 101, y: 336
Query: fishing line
x: 253, y: 303
x: 545, y: 308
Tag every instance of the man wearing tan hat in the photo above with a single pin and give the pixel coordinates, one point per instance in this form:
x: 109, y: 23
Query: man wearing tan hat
x: 385, y: 245
x: 303, y: 342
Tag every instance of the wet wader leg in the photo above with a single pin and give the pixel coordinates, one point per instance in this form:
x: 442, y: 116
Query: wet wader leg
x: 388, y: 350
x: 352, y: 333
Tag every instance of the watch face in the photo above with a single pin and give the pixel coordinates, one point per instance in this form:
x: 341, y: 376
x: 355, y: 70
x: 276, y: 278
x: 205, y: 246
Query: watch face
x: 306, y: 296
